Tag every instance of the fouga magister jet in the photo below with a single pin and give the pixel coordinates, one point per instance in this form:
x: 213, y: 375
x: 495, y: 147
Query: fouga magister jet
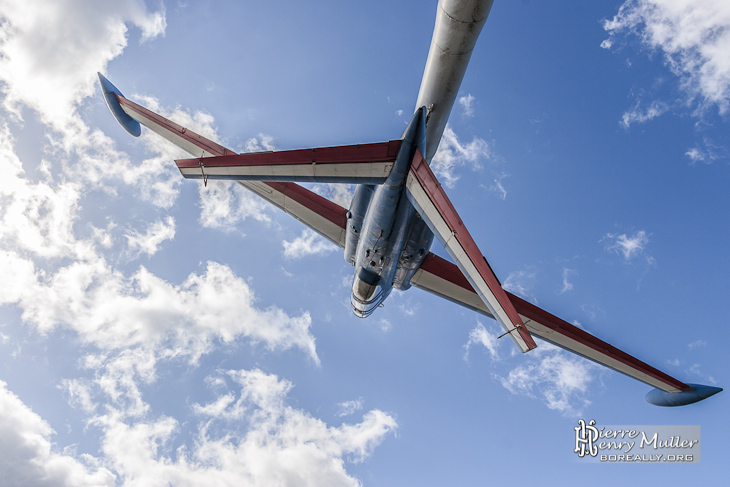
x: 399, y: 207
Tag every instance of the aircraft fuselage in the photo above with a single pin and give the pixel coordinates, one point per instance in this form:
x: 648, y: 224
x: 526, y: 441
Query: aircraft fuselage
x: 386, y: 238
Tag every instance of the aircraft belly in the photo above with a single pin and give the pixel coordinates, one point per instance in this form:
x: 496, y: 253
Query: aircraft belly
x: 416, y: 247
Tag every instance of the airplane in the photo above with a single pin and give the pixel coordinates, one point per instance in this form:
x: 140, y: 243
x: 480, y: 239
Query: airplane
x: 399, y: 207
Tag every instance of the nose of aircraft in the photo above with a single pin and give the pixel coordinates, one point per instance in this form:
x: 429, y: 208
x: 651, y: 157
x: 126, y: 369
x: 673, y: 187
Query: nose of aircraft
x: 367, y: 293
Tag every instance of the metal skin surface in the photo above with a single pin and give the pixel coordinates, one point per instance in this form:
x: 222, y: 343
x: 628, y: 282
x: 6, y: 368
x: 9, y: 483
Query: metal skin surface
x: 387, y: 219
x: 395, y: 253
x: 110, y: 96
x: 458, y: 25
x: 383, y: 235
x: 698, y: 392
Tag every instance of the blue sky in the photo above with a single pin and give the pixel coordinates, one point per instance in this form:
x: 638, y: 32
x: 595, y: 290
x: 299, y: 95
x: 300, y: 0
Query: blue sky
x: 153, y: 331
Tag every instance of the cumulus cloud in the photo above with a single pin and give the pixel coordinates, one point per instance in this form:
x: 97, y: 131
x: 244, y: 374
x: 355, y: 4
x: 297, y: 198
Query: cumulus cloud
x: 452, y: 154
x: 49, y: 56
x: 270, y: 442
x: 149, y: 242
x: 223, y: 205
x: 29, y: 457
x: 557, y: 378
x: 694, y: 38
x: 307, y: 244
x: 37, y: 217
x: 561, y: 380
x: 50, y: 52
x: 113, y: 312
x: 628, y: 246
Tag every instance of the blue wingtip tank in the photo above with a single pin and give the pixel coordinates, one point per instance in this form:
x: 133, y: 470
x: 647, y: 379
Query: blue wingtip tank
x: 130, y: 125
x: 698, y: 392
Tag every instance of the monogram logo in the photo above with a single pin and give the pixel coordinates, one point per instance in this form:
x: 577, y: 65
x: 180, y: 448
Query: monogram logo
x: 585, y: 438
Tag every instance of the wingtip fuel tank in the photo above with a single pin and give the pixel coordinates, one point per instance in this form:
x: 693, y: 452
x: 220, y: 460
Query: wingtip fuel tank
x: 697, y: 393
x: 110, y: 96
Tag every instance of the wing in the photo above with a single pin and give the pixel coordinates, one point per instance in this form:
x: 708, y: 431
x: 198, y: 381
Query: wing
x: 443, y: 278
x: 325, y: 217
x: 471, y: 281
x: 427, y: 196
x: 357, y: 164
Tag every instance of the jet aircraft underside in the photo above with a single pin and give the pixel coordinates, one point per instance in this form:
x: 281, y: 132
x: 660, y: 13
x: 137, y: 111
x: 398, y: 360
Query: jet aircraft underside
x: 399, y: 207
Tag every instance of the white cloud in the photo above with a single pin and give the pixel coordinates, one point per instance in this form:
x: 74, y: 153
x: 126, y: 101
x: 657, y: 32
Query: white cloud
x: 498, y: 187
x: 50, y: 52
x: 385, y: 324
x: 480, y: 336
x: 561, y: 380
x: 224, y: 204
x: 695, y: 370
x: 550, y: 374
x: 467, y: 104
x: 307, y: 244
x: 49, y: 56
x: 79, y: 393
x: 629, y: 247
x: 706, y: 152
x: 28, y: 456
x: 259, y: 144
x: 149, y: 243
x: 269, y: 443
x: 520, y: 282
x: 36, y: 217
x: 697, y: 344
x: 567, y: 285
x: 348, y: 407
x: 694, y: 37
x: 114, y: 312
x: 220, y: 408
x: 339, y: 193
x: 637, y: 115
x: 452, y: 154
